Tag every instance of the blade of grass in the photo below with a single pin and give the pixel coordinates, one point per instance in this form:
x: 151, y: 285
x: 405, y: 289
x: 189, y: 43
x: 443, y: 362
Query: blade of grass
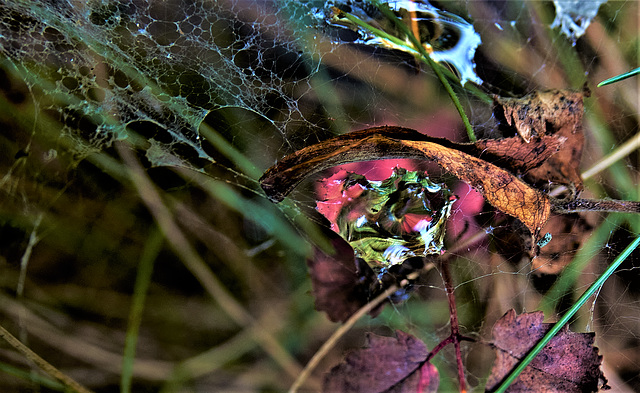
x: 41, y: 363
x: 620, y: 77
x: 384, y: 8
x: 567, y: 316
x: 631, y: 145
x: 192, y: 260
x: 143, y: 280
x: 31, y: 376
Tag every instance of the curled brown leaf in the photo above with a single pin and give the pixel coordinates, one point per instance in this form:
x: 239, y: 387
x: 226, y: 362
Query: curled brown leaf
x: 549, y: 113
x: 500, y: 187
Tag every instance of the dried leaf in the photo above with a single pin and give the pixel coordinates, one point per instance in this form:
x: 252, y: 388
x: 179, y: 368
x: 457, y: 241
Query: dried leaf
x: 340, y: 285
x: 569, y: 363
x: 500, y: 187
x: 568, y: 231
x: 388, y: 364
x: 517, y: 155
x: 549, y: 113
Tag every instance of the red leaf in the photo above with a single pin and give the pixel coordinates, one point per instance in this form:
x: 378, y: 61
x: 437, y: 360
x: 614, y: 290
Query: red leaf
x: 388, y: 364
x: 569, y: 363
x: 341, y: 285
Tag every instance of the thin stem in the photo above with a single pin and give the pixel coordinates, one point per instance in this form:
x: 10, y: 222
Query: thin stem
x: 141, y: 286
x: 41, y: 363
x: 455, y: 326
x: 331, y: 341
x: 594, y: 205
x: 622, y: 151
x: 619, y: 77
x: 417, y: 47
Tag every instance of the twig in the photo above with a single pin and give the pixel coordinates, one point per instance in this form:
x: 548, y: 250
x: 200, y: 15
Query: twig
x: 594, y: 205
x: 331, y: 341
x: 631, y: 145
x: 455, y: 327
x: 41, y: 363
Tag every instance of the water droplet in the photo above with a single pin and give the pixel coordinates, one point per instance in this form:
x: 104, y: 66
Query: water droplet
x: 388, y: 221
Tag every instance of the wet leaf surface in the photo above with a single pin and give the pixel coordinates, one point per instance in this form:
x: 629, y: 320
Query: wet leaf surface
x: 387, y: 364
x: 342, y: 283
x: 569, y: 363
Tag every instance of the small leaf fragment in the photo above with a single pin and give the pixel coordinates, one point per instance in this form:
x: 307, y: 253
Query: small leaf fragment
x: 569, y: 363
x: 569, y: 231
x: 387, y: 364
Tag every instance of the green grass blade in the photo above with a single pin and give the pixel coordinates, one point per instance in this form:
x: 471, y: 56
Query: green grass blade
x: 29, y: 375
x: 569, y: 314
x: 143, y: 279
x: 620, y: 77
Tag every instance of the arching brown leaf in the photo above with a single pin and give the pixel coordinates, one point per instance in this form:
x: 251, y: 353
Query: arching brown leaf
x: 569, y: 363
x: 500, y: 187
x: 388, y: 364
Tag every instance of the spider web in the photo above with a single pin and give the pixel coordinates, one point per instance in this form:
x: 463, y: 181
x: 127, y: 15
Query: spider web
x: 230, y: 87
